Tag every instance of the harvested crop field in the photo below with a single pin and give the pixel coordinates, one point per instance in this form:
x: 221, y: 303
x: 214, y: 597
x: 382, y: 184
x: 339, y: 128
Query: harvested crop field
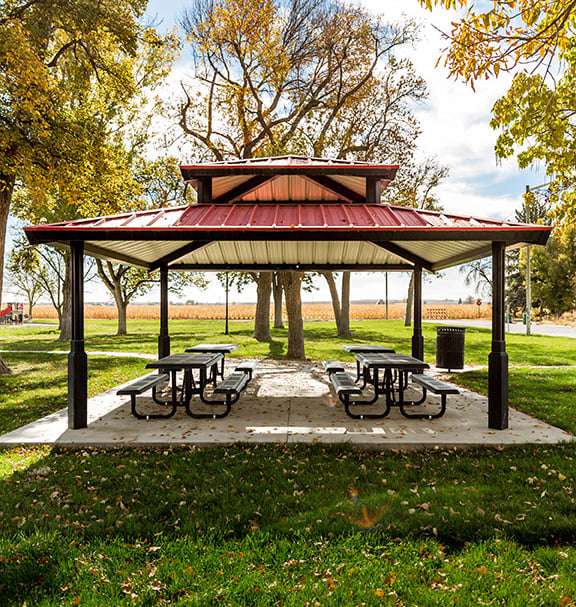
x: 311, y: 311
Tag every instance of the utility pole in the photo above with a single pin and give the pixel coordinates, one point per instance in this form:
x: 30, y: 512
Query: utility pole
x: 528, y: 269
x: 528, y: 219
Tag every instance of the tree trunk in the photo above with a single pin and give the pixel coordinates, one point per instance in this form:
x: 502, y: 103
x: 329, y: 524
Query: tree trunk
x: 6, y: 189
x: 329, y: 276
x: 4, y: 368
x: 122, y: 307
x: 113, y: 282
x: 262, y: 319
x: 59, y: 310
x: 341, y: 310
x: 408, y: 319
x: 121, y: 304
x: 344, y: 329
x: 292, y: 282
x: 277, y: 294
x: 66, y: 314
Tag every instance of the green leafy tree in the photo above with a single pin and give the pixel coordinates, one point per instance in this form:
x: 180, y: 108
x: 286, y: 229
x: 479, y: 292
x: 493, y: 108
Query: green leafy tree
x: 554, y: 272
x: 536, y: 125
x: 534, y: 40
x: 515, y: 282
x: 49, y: 51
x: 535, y: 209
x: 56, y: 57
x: 120, y: 177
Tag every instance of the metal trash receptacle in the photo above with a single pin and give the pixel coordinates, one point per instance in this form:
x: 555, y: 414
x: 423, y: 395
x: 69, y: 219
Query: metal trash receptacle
x: 450, y: 347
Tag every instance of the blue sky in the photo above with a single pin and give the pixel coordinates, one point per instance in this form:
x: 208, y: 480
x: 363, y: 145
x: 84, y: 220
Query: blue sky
x: 455, y: 129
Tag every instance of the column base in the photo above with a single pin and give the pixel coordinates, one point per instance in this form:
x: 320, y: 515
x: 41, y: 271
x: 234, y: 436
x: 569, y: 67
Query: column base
x: 498, y: 390
x: 163, y: 346
x: 418, y: 346
x: 77, y: 387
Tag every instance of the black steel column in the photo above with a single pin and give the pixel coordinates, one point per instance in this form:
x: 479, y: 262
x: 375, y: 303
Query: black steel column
x: 417, y: 338
x: 77, y: 360
x: 498, y: 358
x: 164, y: 337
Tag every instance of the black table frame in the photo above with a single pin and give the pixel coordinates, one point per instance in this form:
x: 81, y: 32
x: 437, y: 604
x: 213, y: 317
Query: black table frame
x: 397, y: 368
x: 207, y: 366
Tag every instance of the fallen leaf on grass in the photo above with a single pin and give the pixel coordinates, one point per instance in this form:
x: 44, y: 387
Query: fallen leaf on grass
x: 390, y: 578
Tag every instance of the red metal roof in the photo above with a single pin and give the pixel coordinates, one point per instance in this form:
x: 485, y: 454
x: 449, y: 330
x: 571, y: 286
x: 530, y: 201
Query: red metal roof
x: 271, y: 235
x: 287, y: 217
x: 288, y: 212
x: 288, y: 163
x: 287, y: 178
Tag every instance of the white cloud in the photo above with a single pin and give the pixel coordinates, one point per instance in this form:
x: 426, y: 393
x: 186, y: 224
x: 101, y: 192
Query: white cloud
x: 461, y: 198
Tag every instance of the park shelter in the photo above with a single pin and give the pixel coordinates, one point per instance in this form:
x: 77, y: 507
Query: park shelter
x: 289, y: 213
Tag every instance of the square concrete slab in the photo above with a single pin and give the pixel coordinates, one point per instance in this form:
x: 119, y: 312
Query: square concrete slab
x: 287, y: 402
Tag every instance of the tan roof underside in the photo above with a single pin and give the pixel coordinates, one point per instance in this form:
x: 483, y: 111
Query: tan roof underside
x: 278, y: 252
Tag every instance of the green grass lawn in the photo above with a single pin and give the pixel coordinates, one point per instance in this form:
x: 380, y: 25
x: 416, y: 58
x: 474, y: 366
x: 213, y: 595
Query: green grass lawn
x: 320, y: 338
x: 548, y: 394
x: 269, y: 525
x: 39, y: 383
x: 272, y: 525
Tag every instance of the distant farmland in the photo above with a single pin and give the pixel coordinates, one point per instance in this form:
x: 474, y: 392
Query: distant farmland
x: 311, y: 311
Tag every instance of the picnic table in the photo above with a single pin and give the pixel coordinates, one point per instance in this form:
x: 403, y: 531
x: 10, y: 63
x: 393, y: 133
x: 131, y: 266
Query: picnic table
x: 215, y: 349
x: 396, y: 368
x: 181, y: 395
x: 205, y: 363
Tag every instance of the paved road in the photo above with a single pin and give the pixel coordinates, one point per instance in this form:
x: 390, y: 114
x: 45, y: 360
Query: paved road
x: 553, y: 330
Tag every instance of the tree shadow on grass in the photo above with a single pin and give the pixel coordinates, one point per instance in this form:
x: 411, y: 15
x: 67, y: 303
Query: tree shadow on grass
x: 36, y: 388
x: 453, y: 496
x: 276, y: 349
x: 152, y: 498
